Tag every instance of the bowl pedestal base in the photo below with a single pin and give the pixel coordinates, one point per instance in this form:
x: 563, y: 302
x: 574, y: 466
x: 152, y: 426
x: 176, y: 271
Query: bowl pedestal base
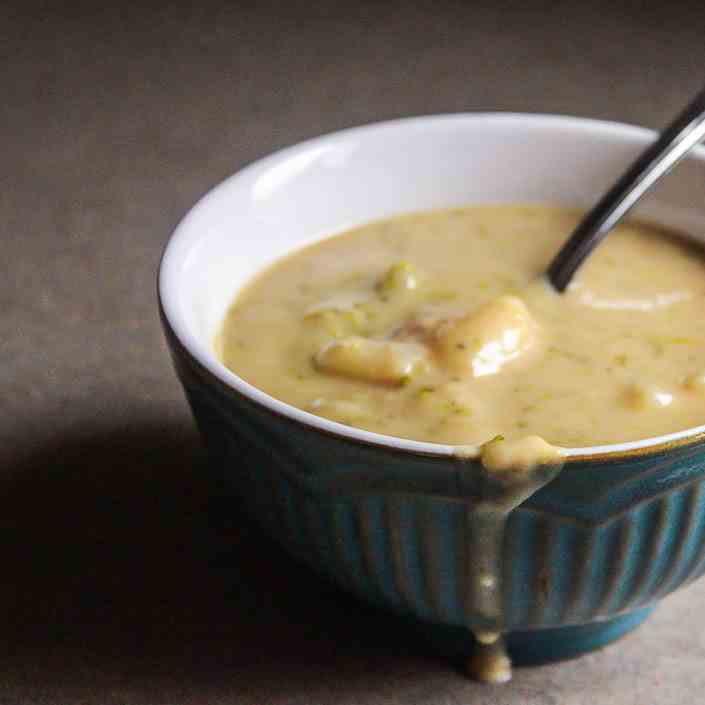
x: 539, y: 646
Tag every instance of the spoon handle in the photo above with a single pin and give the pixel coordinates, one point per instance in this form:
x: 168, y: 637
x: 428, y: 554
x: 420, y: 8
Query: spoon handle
x: 658, y: 159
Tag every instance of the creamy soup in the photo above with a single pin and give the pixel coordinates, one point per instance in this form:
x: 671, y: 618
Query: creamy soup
x: 439, y: 327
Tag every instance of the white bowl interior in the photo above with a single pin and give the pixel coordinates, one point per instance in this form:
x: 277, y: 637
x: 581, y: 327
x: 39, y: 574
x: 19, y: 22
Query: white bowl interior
x: 328, y: 184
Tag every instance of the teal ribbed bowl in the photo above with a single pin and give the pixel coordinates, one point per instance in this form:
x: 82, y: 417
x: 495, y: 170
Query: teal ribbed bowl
x: 586, y: 557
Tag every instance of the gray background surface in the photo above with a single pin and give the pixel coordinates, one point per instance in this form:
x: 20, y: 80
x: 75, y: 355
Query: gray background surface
x: 117, y: 585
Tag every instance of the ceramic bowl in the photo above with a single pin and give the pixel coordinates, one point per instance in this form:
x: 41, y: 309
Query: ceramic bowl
x: 585, y: 558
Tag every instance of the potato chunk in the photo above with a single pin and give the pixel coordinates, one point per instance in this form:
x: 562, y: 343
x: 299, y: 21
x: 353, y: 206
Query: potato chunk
x: 518, y: 458
x: 483, y: 341
x: 641, y: 396
x: 377, y: 361
x: 340, y: 315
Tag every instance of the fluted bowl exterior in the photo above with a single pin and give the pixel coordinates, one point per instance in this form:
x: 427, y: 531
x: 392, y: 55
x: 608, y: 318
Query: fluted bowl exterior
x: 604, y: 538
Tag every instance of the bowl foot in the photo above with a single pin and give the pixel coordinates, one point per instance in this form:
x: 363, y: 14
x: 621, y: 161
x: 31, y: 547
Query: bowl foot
x: 532, y: 648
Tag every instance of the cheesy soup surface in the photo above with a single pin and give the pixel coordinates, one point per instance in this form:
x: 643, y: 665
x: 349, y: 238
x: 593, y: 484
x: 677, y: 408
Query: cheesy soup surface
x: 439, y: 327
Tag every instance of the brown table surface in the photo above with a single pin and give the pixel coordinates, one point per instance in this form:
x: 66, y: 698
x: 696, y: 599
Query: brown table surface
x: 118, y: 585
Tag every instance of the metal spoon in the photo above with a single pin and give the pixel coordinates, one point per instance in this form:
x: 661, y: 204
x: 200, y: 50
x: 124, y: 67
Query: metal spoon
x: 674, y: 143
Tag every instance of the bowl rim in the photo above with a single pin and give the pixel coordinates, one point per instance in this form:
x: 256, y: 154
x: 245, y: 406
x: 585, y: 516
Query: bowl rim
x: 208, y: 364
